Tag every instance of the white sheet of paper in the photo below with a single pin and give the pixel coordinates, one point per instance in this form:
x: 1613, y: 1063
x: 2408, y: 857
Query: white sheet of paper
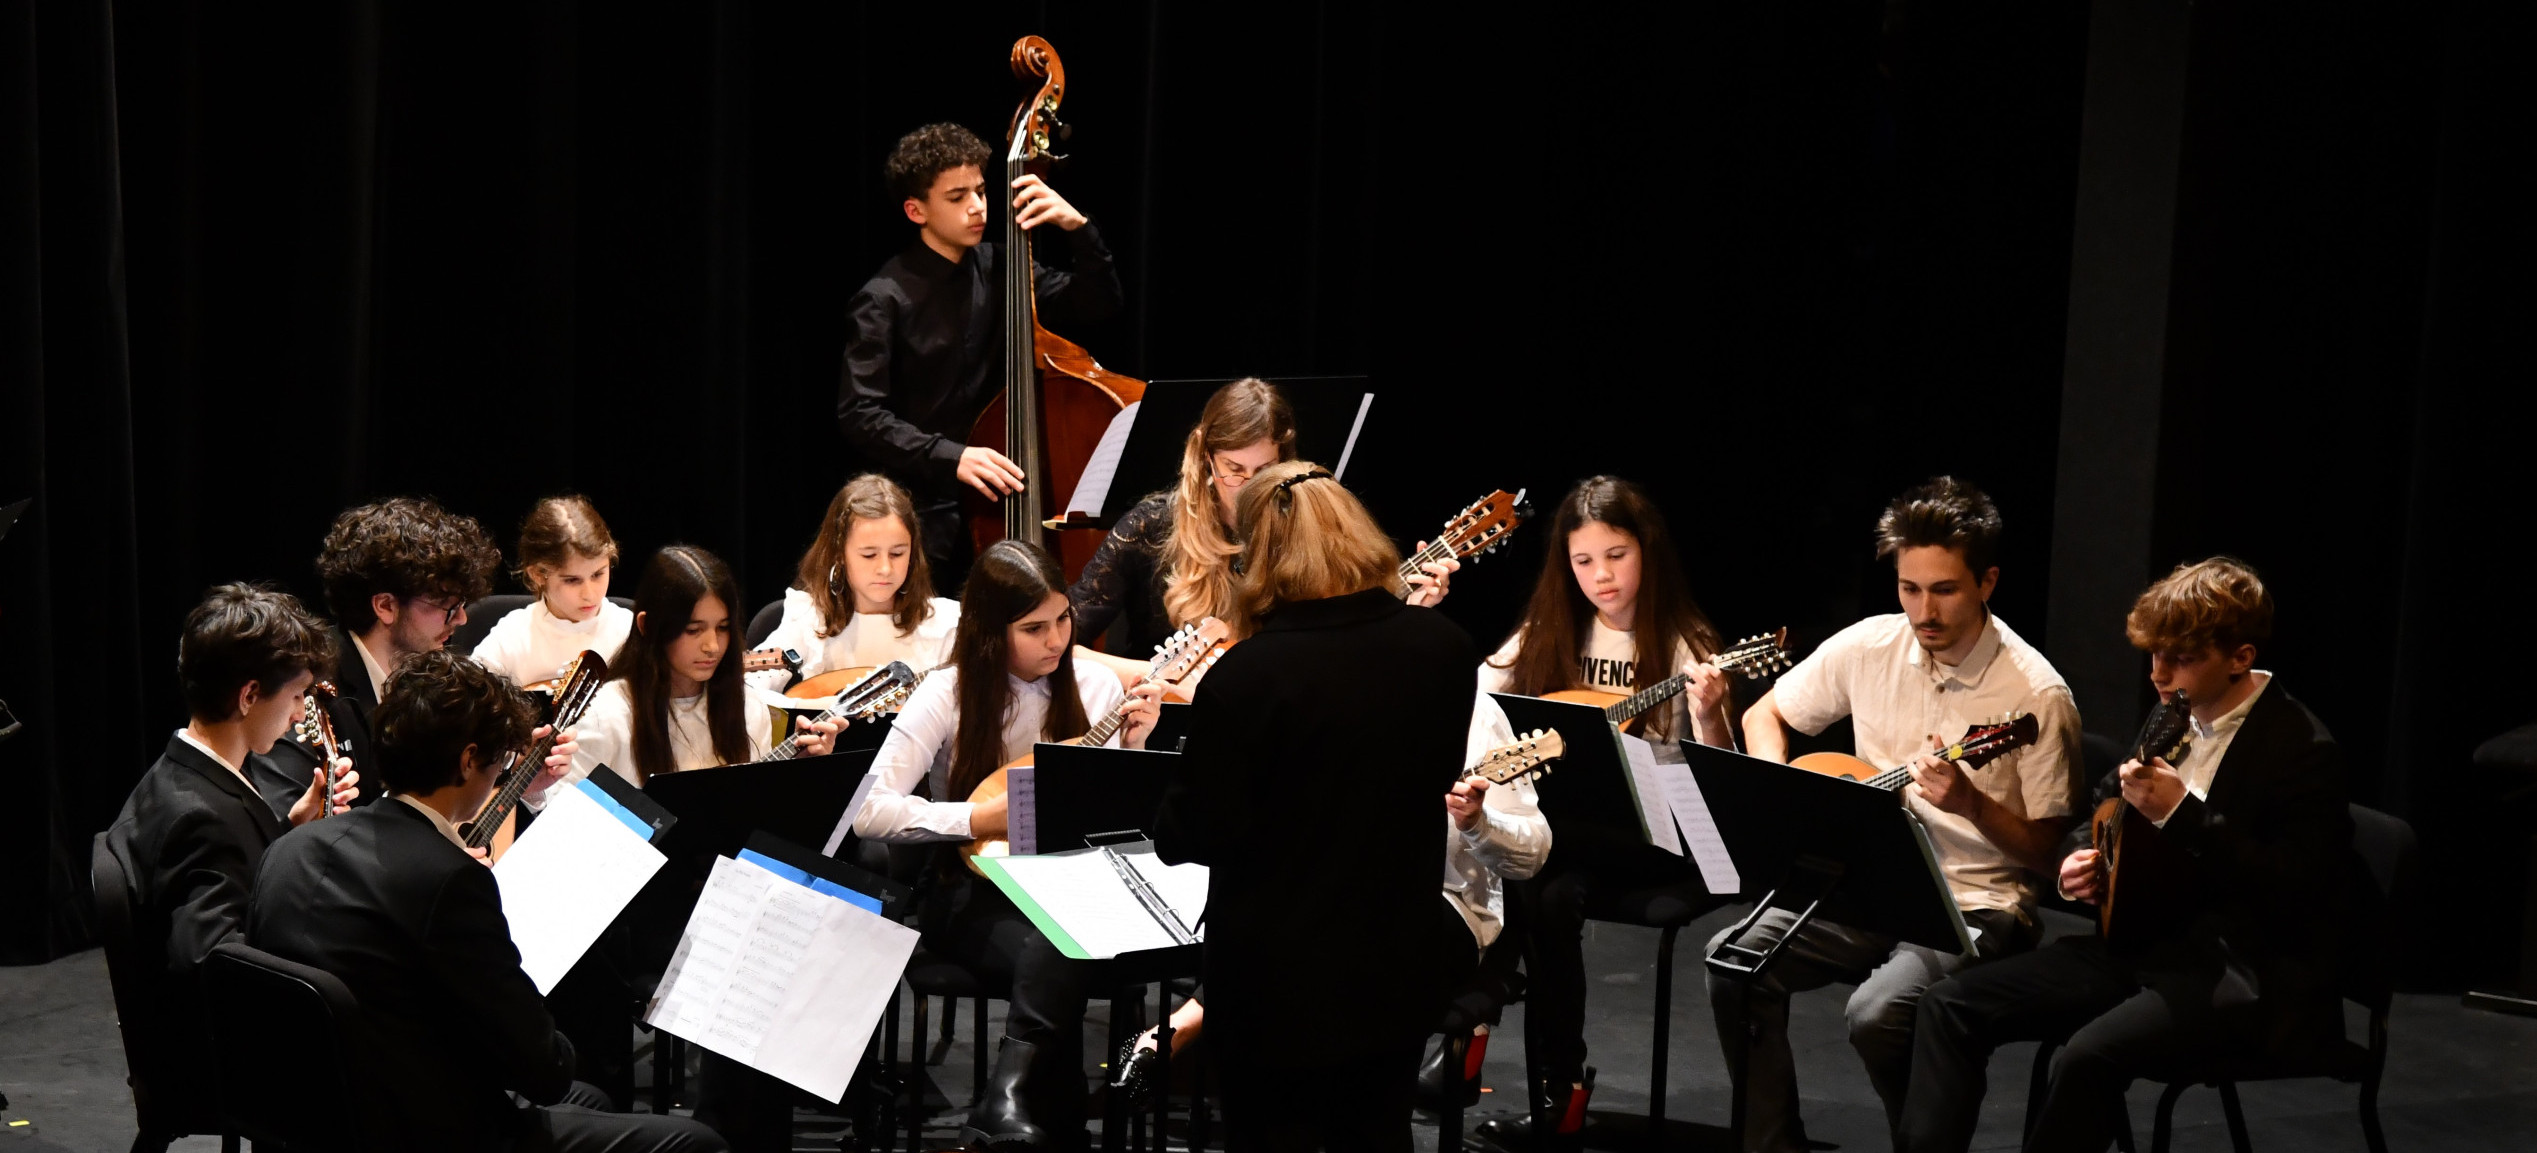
x: 854, y: 808
x: 1647, y: 786
x: 1701, y: 841
x: 1088, y: 900
x: 781, y: 978
x: 1021, y: 809
x: 1182, y: 886
x: 566, y: 878
x: 1092, y: 490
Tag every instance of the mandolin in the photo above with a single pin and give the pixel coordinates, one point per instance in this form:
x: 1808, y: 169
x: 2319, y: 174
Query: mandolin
x: 1981, y: 745
x: 763, y: 660
x: 1753, y: 658
x: 2131, y: 858
x: 520, y: 769
x: 1185, y: 652
x: 317, y: 731
x: 878, y: 693
x: 1521, y: 759
x: 1056, y: 400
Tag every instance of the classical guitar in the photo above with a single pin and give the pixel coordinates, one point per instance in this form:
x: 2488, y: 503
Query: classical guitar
x: 879, y: 693
x: 2135, y: 864
x: 1521, y: 759
x: 1181, y: 654
x: 581, y: 686
x: 1981, y: 745
x: 317, y: 731
x: 1753, y: 658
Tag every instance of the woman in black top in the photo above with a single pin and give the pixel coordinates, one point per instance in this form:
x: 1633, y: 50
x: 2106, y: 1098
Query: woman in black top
x: 1322, y: 952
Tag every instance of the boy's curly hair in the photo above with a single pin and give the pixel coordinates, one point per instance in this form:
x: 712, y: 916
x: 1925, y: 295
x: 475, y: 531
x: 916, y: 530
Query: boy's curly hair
x: 437, y: 704
x: 406, y: 547
x: 928, y: 152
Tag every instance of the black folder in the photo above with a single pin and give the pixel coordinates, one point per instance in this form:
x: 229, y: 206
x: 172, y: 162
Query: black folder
x: 798, y: 800
x: 1078, y: 792
x: 1326, y: 409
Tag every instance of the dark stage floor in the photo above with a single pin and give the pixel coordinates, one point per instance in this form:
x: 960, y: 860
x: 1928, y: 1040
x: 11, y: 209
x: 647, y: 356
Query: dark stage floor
x: 2457, y: 1080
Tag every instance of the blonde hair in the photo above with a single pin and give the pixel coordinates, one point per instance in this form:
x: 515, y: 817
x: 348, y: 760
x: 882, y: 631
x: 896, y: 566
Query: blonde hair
x: 1304, y: 538
x: 1198, y: 580
x: 2218, y: 602
x: 557, y: 530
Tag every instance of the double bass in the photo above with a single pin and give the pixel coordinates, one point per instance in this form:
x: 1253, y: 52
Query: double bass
x: 1057, y: 400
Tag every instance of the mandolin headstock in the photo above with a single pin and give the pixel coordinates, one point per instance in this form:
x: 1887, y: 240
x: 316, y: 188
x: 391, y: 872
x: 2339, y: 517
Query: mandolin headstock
x: 1755, y: 657
x: 1521, y: 759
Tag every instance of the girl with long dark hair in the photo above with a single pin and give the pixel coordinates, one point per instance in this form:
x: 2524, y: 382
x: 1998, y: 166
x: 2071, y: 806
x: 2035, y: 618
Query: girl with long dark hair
x: 1014, y: 680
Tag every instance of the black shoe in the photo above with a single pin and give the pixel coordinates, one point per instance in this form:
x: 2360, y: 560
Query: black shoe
x: 1557, y: 1123
x: 1132, y: 1076
x: 1443, y: 1088
x: 1002, y: 1120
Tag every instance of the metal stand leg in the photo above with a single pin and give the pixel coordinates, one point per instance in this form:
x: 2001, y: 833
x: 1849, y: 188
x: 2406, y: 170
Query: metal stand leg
x: 1664, y: 1042
x: 2236, y: 1116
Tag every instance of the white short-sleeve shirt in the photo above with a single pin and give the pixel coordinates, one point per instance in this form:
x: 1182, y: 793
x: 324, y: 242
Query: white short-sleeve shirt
x: 1898, y: 696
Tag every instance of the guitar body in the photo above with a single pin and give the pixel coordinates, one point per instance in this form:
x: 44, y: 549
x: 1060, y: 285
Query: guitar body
x: 1601, y: 700
x: 2148, y: 894
x: 830, y: 683
x: 1836, y: 765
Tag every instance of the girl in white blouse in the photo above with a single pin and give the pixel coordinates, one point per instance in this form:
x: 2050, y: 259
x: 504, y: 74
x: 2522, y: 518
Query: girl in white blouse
x: 566, y: 556
x: 674, y: 701
x: 1013, y: 681
x: 864, y: 595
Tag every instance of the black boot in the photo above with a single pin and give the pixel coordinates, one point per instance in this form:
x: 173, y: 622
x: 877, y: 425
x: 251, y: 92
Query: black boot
x: 1558, y: 1120
x: 1441, y: 1087
x: 1002, y: 1120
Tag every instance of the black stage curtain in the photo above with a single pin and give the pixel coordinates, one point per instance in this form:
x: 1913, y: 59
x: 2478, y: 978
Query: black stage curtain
x: 1778, y: 261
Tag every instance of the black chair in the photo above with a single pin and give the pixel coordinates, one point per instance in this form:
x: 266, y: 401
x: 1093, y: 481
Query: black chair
x: 152, y: 1062
x: 279, y: 1022
x: 762, y: 624
x: 482, y: 614
x: 1668, y: 908
x: 2382, y: 880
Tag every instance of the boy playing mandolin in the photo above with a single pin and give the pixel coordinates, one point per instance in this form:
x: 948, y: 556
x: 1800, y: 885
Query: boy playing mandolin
x: 2243, y: 965
x: 1909, y: 681
x: 928, y: 338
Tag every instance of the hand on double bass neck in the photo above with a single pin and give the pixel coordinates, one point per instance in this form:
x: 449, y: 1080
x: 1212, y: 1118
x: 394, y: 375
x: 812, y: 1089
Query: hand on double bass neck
x: 1038, y: 204
x: 992, y: 473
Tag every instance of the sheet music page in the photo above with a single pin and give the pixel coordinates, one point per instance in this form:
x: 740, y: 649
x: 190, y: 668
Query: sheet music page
x: 1701, y: 841
x: 845, y: 979
x: 1093, y: 489
x: 1648, y: 789
x: 1021, y: 809
x: 854, y: 808
x: 692, y: 987
x: 1182, y: 886
x: 1085, y: 896
x: 566, y: 879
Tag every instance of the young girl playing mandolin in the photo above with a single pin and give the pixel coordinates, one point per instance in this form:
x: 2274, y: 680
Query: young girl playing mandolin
x: 566, y: 556
x: 864, y: 595
x: 1012, y: 682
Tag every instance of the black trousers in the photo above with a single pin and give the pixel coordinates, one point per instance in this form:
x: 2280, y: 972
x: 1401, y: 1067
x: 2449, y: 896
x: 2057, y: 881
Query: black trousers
x: 971, y: 921
x: 1550, y: 918
x: 581, y: 1123
x: 2122, y: 1020
x: 948, y: 549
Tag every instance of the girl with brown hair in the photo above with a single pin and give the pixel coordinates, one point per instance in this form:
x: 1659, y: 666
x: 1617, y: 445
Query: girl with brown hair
x: 1324, y: 955
x: 864, y: 594
x: 1014, y: 679
x: 1168, y: 561
x: 566, y: 556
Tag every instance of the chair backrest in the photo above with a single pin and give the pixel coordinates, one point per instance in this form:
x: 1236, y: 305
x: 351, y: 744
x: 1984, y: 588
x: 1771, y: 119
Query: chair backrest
x: 2383, y: 877
x: 482, y: 614
x: 762, y: 625
x: 281, y: 1023
x: 145, y: 1051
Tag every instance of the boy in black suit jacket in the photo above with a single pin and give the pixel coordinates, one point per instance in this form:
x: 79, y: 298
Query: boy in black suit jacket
x: 2243, y: 962
x: 194, y: 828
x: 398, y: 575
x: 389, y: 900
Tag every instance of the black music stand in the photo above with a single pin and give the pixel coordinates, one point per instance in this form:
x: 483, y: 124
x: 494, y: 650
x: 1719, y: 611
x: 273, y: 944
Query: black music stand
x: 1080, y: 793
x: 718, y: 809
x: 1331, y: 413
x: 1837, y: 849
x: 1590, y: 792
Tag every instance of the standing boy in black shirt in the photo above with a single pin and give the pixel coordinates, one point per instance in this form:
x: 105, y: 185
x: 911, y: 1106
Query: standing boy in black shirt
x: 928, y: 343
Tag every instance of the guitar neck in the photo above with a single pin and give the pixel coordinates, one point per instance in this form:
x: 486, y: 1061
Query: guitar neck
x: 1627, y: 710
x: 523, y: 769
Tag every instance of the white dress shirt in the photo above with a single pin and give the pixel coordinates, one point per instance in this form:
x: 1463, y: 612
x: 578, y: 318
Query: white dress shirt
x: 605, y: 735
x: 920, y: 743
x: 1898, y: 696
x: 370, y: 664
x: 1510, y: 841
x: 187, y: 736
x: 438, y: 821
x: 533, y: 644
x: 2211, y: 742
x: 869, y: 640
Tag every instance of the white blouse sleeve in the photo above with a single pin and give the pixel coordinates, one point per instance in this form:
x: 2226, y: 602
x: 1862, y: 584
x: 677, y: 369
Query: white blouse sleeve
x: 797, y: 630
x: 1513, y: 837
x: 505, y: 645
x: 923, y: 730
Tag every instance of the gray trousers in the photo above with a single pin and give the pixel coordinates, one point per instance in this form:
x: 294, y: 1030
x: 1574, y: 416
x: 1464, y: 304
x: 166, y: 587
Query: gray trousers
x: 1890, y: 976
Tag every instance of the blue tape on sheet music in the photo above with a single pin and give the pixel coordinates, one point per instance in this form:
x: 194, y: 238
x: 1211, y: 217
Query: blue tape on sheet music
x: 867, y: 903
x: 641, y: 827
